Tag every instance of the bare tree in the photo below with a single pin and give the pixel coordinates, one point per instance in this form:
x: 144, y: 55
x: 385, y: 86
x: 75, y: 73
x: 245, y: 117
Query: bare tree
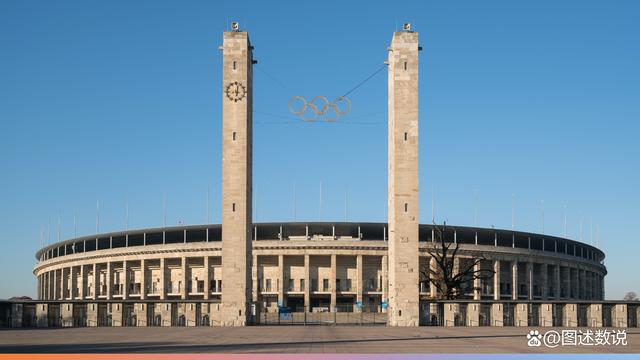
x: 450, y: 282
x: 631, y: 296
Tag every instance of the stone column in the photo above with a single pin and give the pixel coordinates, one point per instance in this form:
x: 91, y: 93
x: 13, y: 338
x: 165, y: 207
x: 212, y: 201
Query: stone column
x: 529, y: 280
x: 62, y: 292
x: 83, y: 283
x: 546, y: 314
x: 473, y: 314
x: 497, y: 314
x: 307, y: 283
x: 237, y: 160
x: 207, y: 278
x: 163, y: 270
x: 385, y: 281
x: 433, y: 265
x: 496, y: 280
x: 183, y: 291
x: 332, y: 283
x: 557, y: 281
x: 619, y: 316
x: 45, y: 285
x: 96, y: 281
x: 281, y: 280
x: 521, y: 316
x: 403, y: 199
x: 125, y: 286
x: 583, y: 284
x: 74, y: 282
x: 477, y: 291
x: 109, y: 281
x: 576, y: 293
x: 570, y: 315
x: 594, y: 315
x: 143, y: 279
x: 514, y: 280
x: 359, y: 281
x: 544, y: 270
x: 53, y: 285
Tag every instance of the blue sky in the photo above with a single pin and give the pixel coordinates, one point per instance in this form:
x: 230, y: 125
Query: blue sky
x: 120, y: 102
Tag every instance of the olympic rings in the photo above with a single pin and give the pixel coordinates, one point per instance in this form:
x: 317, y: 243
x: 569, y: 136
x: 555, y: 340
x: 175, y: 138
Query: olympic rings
x: 319, y: 107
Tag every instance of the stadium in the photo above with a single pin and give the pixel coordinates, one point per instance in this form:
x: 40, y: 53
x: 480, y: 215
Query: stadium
x: 239, y: 273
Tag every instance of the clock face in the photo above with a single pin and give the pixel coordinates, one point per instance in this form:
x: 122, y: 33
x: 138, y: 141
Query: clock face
x: 235, y: 91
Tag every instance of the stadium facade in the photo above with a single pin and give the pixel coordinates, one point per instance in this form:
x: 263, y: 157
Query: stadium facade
x: 237, y: 272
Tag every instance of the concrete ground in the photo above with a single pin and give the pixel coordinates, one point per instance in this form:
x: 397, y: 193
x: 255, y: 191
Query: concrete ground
x: 289, y: 339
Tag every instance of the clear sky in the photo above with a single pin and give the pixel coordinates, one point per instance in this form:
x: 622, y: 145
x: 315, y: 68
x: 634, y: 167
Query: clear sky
x: 119, y: 101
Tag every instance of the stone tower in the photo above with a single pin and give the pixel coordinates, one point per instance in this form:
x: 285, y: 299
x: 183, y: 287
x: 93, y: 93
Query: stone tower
x: 237, y: 123
x: 403, y: 180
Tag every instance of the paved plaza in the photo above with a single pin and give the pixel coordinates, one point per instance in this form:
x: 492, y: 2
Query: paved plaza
x: 288, y: 339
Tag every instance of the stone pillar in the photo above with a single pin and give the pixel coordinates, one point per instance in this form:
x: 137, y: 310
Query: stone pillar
x: 163, y: 281
x: 140, y: 310
x: 307, y: 283
x: 184, y: 279
x: 583, y: 284
x: 83, y: 283
x: 450, y: 312
x: 594, y: 315
x: 42, y: 315
x: 496, y: 280
x: 521, y: 315
x: 529, y: 280
x: 544, y: 271
x: 473, y: 314
x: 619, y: 316
x: 433, y: 265
x: 546, y: 314
x: 165, y: 313
x: 116, y: 314
x: 514, y: 280
x: 385, y: 282
x: 332, y: 283
x: 64, y: 283
x: 96, y: 281
x: 191, y: 314
x: 237, y: 153
x: 477, y: 284
x: 52, y: 291
x: 109, y: 281
x: 497, y: 314
x: 557, y: 281
x: 66, y: 313
x: 207, y: 279
x: 16, y: 315
x: 45, y: 285
x: 359, y: 281
x: 570, y: 315
x: 281, y: 280
x: 92, y: 314
x: 143, y: 279
x: 73, y: 282
x: 403, y: 179
x: 125, y: 286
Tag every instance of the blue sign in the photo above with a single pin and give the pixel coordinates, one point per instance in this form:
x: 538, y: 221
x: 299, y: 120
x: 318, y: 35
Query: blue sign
x: 359, y: 304
x: 383, y: 305
x: 286, y: 316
